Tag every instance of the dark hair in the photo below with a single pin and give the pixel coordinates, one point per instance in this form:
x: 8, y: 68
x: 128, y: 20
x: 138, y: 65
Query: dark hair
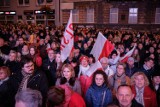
x: 102, y: 73
x: 25, y: 60
x: 55, y: 96
x: 148, y: 59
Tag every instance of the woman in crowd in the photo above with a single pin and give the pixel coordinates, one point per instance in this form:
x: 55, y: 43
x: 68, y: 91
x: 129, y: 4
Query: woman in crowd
x: 119, y: 78
x: 68, y: 78
x: 5, y: 88
x: 143, y: 94
x: 98, y: 94
x: 85, y: 80
x: 35, y: 56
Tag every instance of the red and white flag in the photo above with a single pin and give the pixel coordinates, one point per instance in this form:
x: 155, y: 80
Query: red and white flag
x: 67, y: 40
x: 127, y: 55
x: 102, y: 47
x: 97, y: 65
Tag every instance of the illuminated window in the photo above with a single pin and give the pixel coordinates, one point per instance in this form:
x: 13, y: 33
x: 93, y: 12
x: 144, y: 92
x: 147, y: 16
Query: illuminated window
x: 113, y: 15
x: 133, y: 14
x: 157, y: 17
x: 90, y: 15
x: 75, y: 14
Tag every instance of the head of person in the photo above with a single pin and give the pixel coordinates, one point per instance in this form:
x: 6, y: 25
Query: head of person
x: 12, y: 56
x: 4, y: 72
x: 51, y: 54
x: 21, y: 40
x: 28, y: 98
x: 104, y: 62
x: 100, y: 78
x: 32, y: 50
x: 67, y: 71
x: 139, y: 80
x: 130, y: 61
x: 91, y: 59
x: 124, y: 95
x: 58, y: 58
x: 149, y: 62
x: 84, y: 61
x: 114, y: 54
x: 1, y: 42
x: 156, y: 78
x: 55, y: 96
x: 27, y: 65
x: 120, y: 69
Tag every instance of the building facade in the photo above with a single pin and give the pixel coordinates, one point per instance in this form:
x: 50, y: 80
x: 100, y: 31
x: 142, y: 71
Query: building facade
x: 111, y: 13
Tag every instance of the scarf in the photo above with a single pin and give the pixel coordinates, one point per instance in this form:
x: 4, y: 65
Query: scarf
x: 139, y: 95
x: 119, y: 80
x: 2, y: 81
x: 82, y: 70
x: 23, y: 84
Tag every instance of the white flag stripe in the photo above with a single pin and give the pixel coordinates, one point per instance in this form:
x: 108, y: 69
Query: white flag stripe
x: 128, y: 54
x: 93, y: 68
x: 67, y: 40
x: 98, y: 46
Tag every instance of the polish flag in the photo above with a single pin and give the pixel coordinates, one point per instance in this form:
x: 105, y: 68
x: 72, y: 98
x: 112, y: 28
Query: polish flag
x: 96, y: 66
x: 67, y: 40
x: 102, y: 47
x: 127, y: 55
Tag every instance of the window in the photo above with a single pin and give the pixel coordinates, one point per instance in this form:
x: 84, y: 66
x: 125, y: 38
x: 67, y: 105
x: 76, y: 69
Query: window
x: 133, y: 13
x: 40, y: 2
x: 75, y: 16
x: 23, y: 2
x: 49, y: 1
x: 4, y: 2
x: 90, y: 15
x: 113, y: 15
x: 157, y: 17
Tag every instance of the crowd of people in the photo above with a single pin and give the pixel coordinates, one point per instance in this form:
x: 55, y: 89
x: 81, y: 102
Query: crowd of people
x: 33, y: 75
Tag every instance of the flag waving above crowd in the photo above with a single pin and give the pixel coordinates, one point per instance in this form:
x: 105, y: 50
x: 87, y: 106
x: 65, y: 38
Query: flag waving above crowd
x: 67, y: 40
x: 102, y: 47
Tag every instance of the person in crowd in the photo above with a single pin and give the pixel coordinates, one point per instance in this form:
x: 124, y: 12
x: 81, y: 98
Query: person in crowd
x: 68, y: 78
x: 19, y: 44
x: 91, y: 59
x: 6, y: 97
x: 64, y: 96
x: 136, y: 57
x: 49, y: 66
x: 12, y: 62
x: 155, y: 85
x: 85, y: 80
x: 147, y: 68
x: 29, y: 77
x: 143, y: 93
x: 130, y: 67
x: 42, y: 49
x: 125, y: 97
x: 119, y: 78
x: 58, y: 62
x: 104, y: 62
x: 33, y: 53
x: 98, y: 94
x: 113, y: 61
x: 25, y: 50
x: 28, y: 98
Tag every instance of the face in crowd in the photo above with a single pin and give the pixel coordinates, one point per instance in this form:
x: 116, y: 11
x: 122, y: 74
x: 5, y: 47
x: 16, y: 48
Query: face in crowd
x: 124, y: 95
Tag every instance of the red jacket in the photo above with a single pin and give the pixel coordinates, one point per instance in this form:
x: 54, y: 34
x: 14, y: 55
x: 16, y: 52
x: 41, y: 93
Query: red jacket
x: 85, y: 83
x: 149, y: 97
x: 76, y: 101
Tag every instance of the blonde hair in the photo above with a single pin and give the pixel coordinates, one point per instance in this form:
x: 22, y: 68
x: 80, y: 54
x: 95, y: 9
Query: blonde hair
x: 5, y: 70
x: 69, y: 66
x: 146, y: 81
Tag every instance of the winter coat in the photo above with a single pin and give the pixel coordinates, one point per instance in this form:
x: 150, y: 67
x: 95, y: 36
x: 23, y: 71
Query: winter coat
x: 37, y: 81
x: 98, y: 96
x: 76, y: 87
x: 149, y: 96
